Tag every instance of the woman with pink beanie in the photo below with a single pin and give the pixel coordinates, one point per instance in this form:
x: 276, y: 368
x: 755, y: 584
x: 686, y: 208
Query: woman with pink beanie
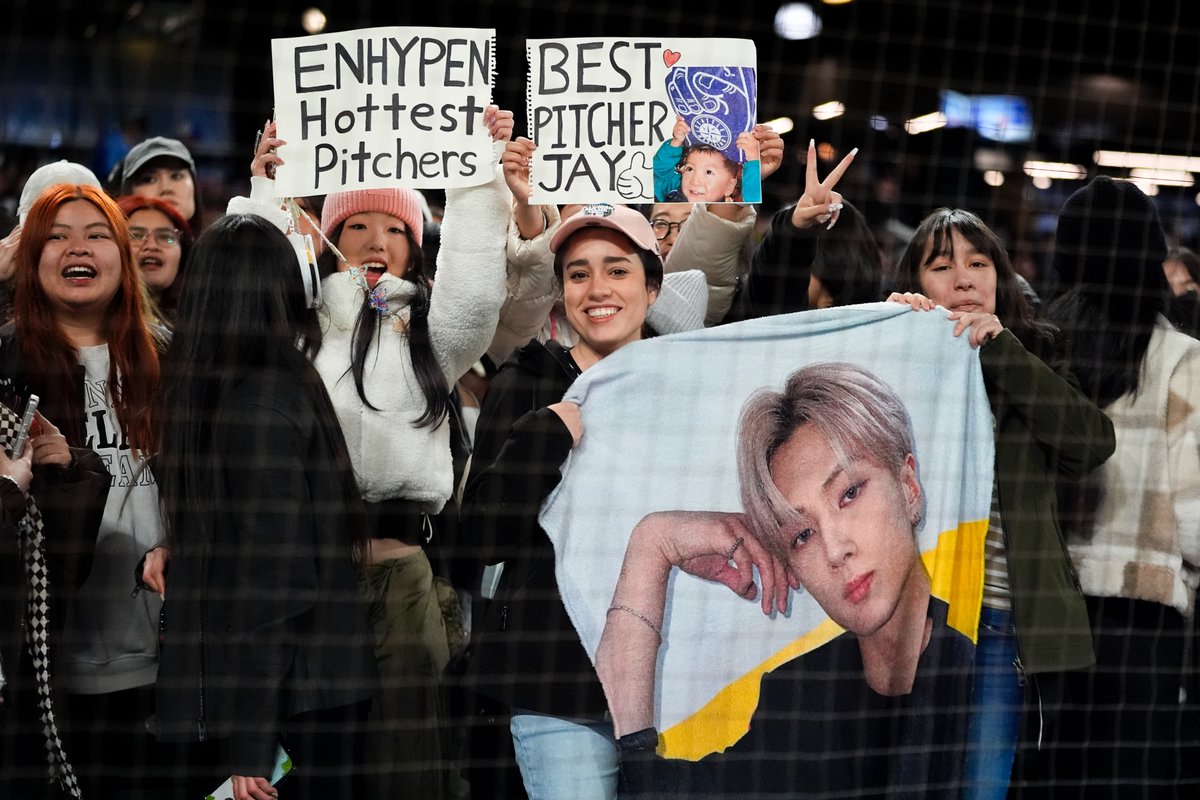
x: 392, y: 345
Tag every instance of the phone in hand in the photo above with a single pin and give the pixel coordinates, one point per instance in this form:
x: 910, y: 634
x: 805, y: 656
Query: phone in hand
x: 283, y: 767
x: 18, y: 445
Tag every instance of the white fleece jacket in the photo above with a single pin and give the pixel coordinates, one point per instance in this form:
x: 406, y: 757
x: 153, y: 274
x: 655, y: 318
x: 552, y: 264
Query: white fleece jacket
x: 1144, y: 542
x: 392, y: 457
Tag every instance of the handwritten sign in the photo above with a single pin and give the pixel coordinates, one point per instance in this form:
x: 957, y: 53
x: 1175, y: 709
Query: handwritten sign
x: 600, y: 111
x: 383, y: 107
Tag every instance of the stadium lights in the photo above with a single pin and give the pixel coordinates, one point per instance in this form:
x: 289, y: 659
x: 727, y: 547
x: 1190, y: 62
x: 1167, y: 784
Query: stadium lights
x: 993, y: 177
x: 1117, y: 158
x: 1041, y: 182
x: 781, y: 125
x: 829, y: 110
x: 926, y: 123
x: 1055, y: 170
x: 879, y: 123
x: 313, y: 20
x: 1148, y: 189
x: 1162, y: 177
x: 797, y: 21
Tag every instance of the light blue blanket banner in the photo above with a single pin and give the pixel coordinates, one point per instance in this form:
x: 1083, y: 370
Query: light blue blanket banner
x: 661, y: 420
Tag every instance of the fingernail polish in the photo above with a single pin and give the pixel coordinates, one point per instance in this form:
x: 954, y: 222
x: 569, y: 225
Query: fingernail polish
x: 854, y: 152
x: 812, y: 143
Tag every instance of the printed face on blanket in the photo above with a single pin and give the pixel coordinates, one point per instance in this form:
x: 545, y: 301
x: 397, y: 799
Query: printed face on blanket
x: 830, y: 486
x: 830, y: 502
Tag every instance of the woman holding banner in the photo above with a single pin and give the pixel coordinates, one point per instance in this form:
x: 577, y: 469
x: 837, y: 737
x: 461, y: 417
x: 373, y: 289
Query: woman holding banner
x: 528, y: 656
x: 1034, y: 619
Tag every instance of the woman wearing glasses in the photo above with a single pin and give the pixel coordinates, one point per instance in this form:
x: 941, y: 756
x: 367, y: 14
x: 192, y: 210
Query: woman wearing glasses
x: 161, y: 240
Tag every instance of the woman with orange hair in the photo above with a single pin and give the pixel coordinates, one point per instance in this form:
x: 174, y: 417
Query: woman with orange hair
x: 162, y: 241
x: 80, y: 341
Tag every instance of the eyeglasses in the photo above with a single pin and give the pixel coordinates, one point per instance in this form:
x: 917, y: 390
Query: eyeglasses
x: 166, y: 237
x: 662, y: 228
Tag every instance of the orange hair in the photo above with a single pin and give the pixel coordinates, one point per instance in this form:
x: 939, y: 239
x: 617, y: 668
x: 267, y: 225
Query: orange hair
x: 133, y: 358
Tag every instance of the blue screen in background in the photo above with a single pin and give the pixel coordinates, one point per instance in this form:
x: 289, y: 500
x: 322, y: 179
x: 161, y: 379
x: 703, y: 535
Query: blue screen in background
x: 1001, y: 118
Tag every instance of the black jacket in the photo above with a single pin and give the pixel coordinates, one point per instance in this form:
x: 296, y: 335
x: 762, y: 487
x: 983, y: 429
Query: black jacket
x: 779, y: 271
x: 71, y: 500
x: 527, y: 654
x: 263, y: 615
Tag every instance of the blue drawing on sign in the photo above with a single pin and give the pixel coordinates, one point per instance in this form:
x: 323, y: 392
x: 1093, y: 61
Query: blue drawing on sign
x: 717, y: 103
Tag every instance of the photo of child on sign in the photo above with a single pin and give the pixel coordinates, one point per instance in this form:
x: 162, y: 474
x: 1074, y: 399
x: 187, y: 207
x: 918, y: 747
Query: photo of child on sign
x: 640, y: 120
x: 712, y: 155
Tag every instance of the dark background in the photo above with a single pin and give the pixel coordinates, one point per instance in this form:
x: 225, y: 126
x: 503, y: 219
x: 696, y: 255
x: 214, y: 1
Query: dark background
x: 1112, y: 75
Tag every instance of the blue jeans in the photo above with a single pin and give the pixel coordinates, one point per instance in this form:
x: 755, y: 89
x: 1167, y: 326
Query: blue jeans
x: 996, y: 701
x: 565, y: 758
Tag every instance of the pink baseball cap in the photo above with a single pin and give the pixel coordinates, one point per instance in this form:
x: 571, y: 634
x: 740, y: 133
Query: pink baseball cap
x: 607, y: 215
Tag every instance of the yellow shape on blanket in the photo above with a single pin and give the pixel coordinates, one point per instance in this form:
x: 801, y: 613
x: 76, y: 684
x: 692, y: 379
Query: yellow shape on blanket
x: 955, y: 570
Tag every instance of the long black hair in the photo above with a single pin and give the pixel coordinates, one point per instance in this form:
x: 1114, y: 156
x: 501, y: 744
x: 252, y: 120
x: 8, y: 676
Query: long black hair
x: 243, y: 312
x: 1108, y: 251
x: 1013, y: 308
x: 367, y: 329
x: 847, y: 260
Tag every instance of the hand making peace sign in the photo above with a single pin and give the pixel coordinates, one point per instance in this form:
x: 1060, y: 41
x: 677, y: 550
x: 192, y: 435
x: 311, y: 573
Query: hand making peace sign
x: 819, y: 203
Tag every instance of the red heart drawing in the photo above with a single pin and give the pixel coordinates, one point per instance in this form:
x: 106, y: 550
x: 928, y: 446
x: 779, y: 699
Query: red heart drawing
x: 670, y: 57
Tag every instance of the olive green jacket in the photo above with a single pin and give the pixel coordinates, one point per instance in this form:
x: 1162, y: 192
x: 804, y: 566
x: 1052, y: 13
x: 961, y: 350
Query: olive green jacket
x: 1045, y: 430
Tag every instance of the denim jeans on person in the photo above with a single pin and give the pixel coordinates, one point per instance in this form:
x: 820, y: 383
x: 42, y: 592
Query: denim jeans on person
x: 996, y: 700
x: 561, y: 757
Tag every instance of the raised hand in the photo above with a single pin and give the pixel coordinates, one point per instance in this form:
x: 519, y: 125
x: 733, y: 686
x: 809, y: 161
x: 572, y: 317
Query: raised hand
x: 748, y: 143
x: 499, y: 123
x: 8, y: 253
x: 679, y: 132
x: 518, y: 155
x: 820, y: 203
x: 265, y: 158
x: 770, y: 150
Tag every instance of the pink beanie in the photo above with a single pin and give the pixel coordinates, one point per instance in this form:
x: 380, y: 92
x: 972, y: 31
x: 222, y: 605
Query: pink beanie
x: 403, y: 204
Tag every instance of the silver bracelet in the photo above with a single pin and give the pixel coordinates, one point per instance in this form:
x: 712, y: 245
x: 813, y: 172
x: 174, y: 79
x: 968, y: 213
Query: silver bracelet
x: 640, y: 616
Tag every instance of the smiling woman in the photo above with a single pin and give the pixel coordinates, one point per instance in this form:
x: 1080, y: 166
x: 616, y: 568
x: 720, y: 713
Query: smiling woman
x: 81, y: 342
x: 606, y: 258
